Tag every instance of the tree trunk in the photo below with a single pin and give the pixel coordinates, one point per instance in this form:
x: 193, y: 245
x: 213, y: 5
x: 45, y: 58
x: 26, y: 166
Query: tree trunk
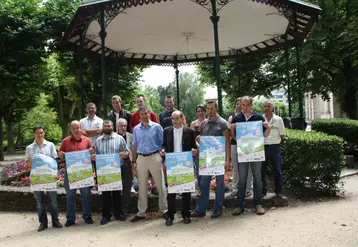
x: 65, y: 129
x: 2, y: 158
x: 10, y: 137
x: 350, y: 102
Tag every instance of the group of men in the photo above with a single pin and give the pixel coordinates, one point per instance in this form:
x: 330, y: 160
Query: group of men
x: 142, y: 144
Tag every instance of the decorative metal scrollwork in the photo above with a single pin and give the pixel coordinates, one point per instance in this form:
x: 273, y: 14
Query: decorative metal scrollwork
x: 211, y: 4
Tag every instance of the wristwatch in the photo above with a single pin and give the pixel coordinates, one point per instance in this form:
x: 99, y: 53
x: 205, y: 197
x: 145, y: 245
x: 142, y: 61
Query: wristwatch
x: 134, y: 162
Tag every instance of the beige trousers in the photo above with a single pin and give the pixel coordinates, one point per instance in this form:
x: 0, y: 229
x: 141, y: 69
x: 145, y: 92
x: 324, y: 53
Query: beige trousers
x: 152, y: 164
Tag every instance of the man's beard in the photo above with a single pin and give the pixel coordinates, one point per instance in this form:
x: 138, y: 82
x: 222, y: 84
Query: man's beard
x: 107, y: 132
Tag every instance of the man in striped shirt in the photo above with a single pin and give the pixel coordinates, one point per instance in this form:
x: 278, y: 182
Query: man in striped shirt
x: 111, y: 143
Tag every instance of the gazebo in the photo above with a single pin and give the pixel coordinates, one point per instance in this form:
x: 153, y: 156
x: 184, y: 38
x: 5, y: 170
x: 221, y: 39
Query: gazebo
x: 176, y: 32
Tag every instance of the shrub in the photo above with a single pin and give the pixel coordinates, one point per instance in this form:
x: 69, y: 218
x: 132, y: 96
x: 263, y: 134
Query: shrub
x: 312, y: 160
x: 342, y: 127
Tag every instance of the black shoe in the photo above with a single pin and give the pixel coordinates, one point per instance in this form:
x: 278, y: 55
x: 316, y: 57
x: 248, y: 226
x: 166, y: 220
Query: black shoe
x: 105, y: 221
x: 238, y: 211
x: 89, y: 220
x: 137, y: 218
x: 216, y: 215
x: 165, y: 215
x: 154, y: 191
x: 121, y: 218
x: 42, y: 227
x: 69, y: 223
x: 187, y: 220
x: 169, y: 222
x: 198, y: 215
x: 56, y: 224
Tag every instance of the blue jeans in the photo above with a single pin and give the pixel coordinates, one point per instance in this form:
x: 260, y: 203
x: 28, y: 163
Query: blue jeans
x: 41, y: 211
x: 203, y: 201
x: 273, y: 154
x: 256, y: 172
x: 71, y: 201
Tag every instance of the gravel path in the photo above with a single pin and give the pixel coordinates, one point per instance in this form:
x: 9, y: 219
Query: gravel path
x: 321, y: 223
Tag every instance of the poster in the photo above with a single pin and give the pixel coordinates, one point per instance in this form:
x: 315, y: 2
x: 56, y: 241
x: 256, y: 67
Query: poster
x: 212, y: 155
x: 109, y: 176
x: 79, y: 169
x: 43, y: 176
x: 250, y: 141
x: 180, y: 172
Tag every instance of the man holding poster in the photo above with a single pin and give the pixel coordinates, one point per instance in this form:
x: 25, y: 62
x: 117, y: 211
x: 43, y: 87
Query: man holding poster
x: 180, y: 140
x: 109, y: 172
x: 248, y: 115
x: 217, y: 129
x: 76, y: 142
x: 41, y: 146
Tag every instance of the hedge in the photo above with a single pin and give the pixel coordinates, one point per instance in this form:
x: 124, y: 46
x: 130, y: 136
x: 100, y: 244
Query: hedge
x: 312, y: 160
x: 342, y: 127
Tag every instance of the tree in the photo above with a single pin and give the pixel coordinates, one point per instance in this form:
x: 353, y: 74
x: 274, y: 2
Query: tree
x: 152, y: 99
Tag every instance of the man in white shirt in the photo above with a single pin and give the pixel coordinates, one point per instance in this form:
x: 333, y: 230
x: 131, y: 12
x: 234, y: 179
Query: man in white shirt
x: 272, y: 148
x: 41, y: 146
x: 92, y: 125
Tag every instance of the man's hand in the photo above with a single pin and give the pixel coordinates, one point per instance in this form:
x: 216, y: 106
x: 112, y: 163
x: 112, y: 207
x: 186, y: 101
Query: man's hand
x: 194, y: 152
x: 233, y: 126
x: 266, y: 125
x: 162, y: 152
x: 197, y: 139
x: 93, y: 157
x: 227, y: 166
x: 164, y: 166
x: 91, y: 150
x: 134, y: 168
x: 124, y: 155
x: 61, y: 154
x: 29, y: 160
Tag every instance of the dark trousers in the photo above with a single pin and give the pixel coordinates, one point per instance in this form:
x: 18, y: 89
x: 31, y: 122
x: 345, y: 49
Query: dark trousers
x: 111, y: 201
x: 186, y: 199
x: 127, y: 178
x: 273, y: 154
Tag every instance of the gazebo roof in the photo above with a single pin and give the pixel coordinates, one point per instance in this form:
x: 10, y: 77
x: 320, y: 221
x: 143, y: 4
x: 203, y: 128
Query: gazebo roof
x: 164, y: 32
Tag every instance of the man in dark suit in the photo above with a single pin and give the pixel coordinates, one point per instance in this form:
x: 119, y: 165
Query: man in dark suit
x: 178, y: 138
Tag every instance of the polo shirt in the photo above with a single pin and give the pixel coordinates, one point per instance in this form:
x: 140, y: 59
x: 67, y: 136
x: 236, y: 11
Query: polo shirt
x: 277, y: 130
x: 148, y: 139
x: 92, y: 124
x: 214, y: 127
x: 47, y: 148
x: 69, y: 144
x: 135, y: 118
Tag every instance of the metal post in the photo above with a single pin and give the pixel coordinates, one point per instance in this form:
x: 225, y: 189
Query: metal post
x: 177, y: 80
x: 215, y: 20
x: 298, y: 61
x: 81, y: 75
x: 287, y: 55
x: 238, y: 64
x: 102, y: 34
x: 117, y: 74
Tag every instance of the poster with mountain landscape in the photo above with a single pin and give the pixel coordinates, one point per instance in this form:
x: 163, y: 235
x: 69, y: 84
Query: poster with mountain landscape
x: 212, y: 155
x: 109, y: 176
x: 43, y: 174
x: 180, y: 172
x: 79, y: 169
x: 250, y: 141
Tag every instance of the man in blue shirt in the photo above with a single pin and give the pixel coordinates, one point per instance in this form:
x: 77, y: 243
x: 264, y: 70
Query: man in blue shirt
x: 147, y: 142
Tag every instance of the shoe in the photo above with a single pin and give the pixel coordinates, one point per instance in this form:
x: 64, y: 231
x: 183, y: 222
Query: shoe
x: 234, y: 193
x: 165, y: 215
x: 89, y: 220
x: 121, y: 218
x: 248, y: 194
x: 169, y: 222
x: 187, y: 220
x: 69, y: 223
x: 198, y: 215
x: 56, y: 224
x: 105, y: 221
x: 154, y: 191
x: 216, y: 214
x: 137, y: 218
x: 42, y: 227
x: 264, y: 194
x: 238, y: 211
x: 279, y: 196
x: 260, y: 210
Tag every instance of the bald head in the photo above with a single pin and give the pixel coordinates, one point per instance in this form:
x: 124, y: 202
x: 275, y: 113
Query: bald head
x: 268, y: 107
x: 177, y: 119
x: 75, y: 128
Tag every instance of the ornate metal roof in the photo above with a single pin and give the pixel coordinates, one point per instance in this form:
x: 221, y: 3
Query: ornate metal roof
x: 160, y: 32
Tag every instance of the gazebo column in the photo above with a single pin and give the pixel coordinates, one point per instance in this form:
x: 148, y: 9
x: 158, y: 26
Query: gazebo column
x: 102, y: 35
x: 299, y: 79
x: 215, y: 20
x: 117, y: 74
x: 177, y: 80
x: 287, y: 56
x: 238, y: 72
x: 82, y: 113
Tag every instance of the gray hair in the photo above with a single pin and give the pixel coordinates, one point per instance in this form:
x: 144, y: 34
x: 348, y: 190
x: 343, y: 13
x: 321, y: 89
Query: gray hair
x: 121, y: 119
x: 269, y: 102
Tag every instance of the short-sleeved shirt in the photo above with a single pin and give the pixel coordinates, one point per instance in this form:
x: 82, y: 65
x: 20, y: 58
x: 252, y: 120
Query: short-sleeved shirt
x: 165, y: 119
x: 135, y: 118
x: 277, y: 130
x: 110, y: 144
x: 46, y: 148
x: 148, y: 139
x: 70, y: 144
x: 214, y: 127
x: 92, y: 124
